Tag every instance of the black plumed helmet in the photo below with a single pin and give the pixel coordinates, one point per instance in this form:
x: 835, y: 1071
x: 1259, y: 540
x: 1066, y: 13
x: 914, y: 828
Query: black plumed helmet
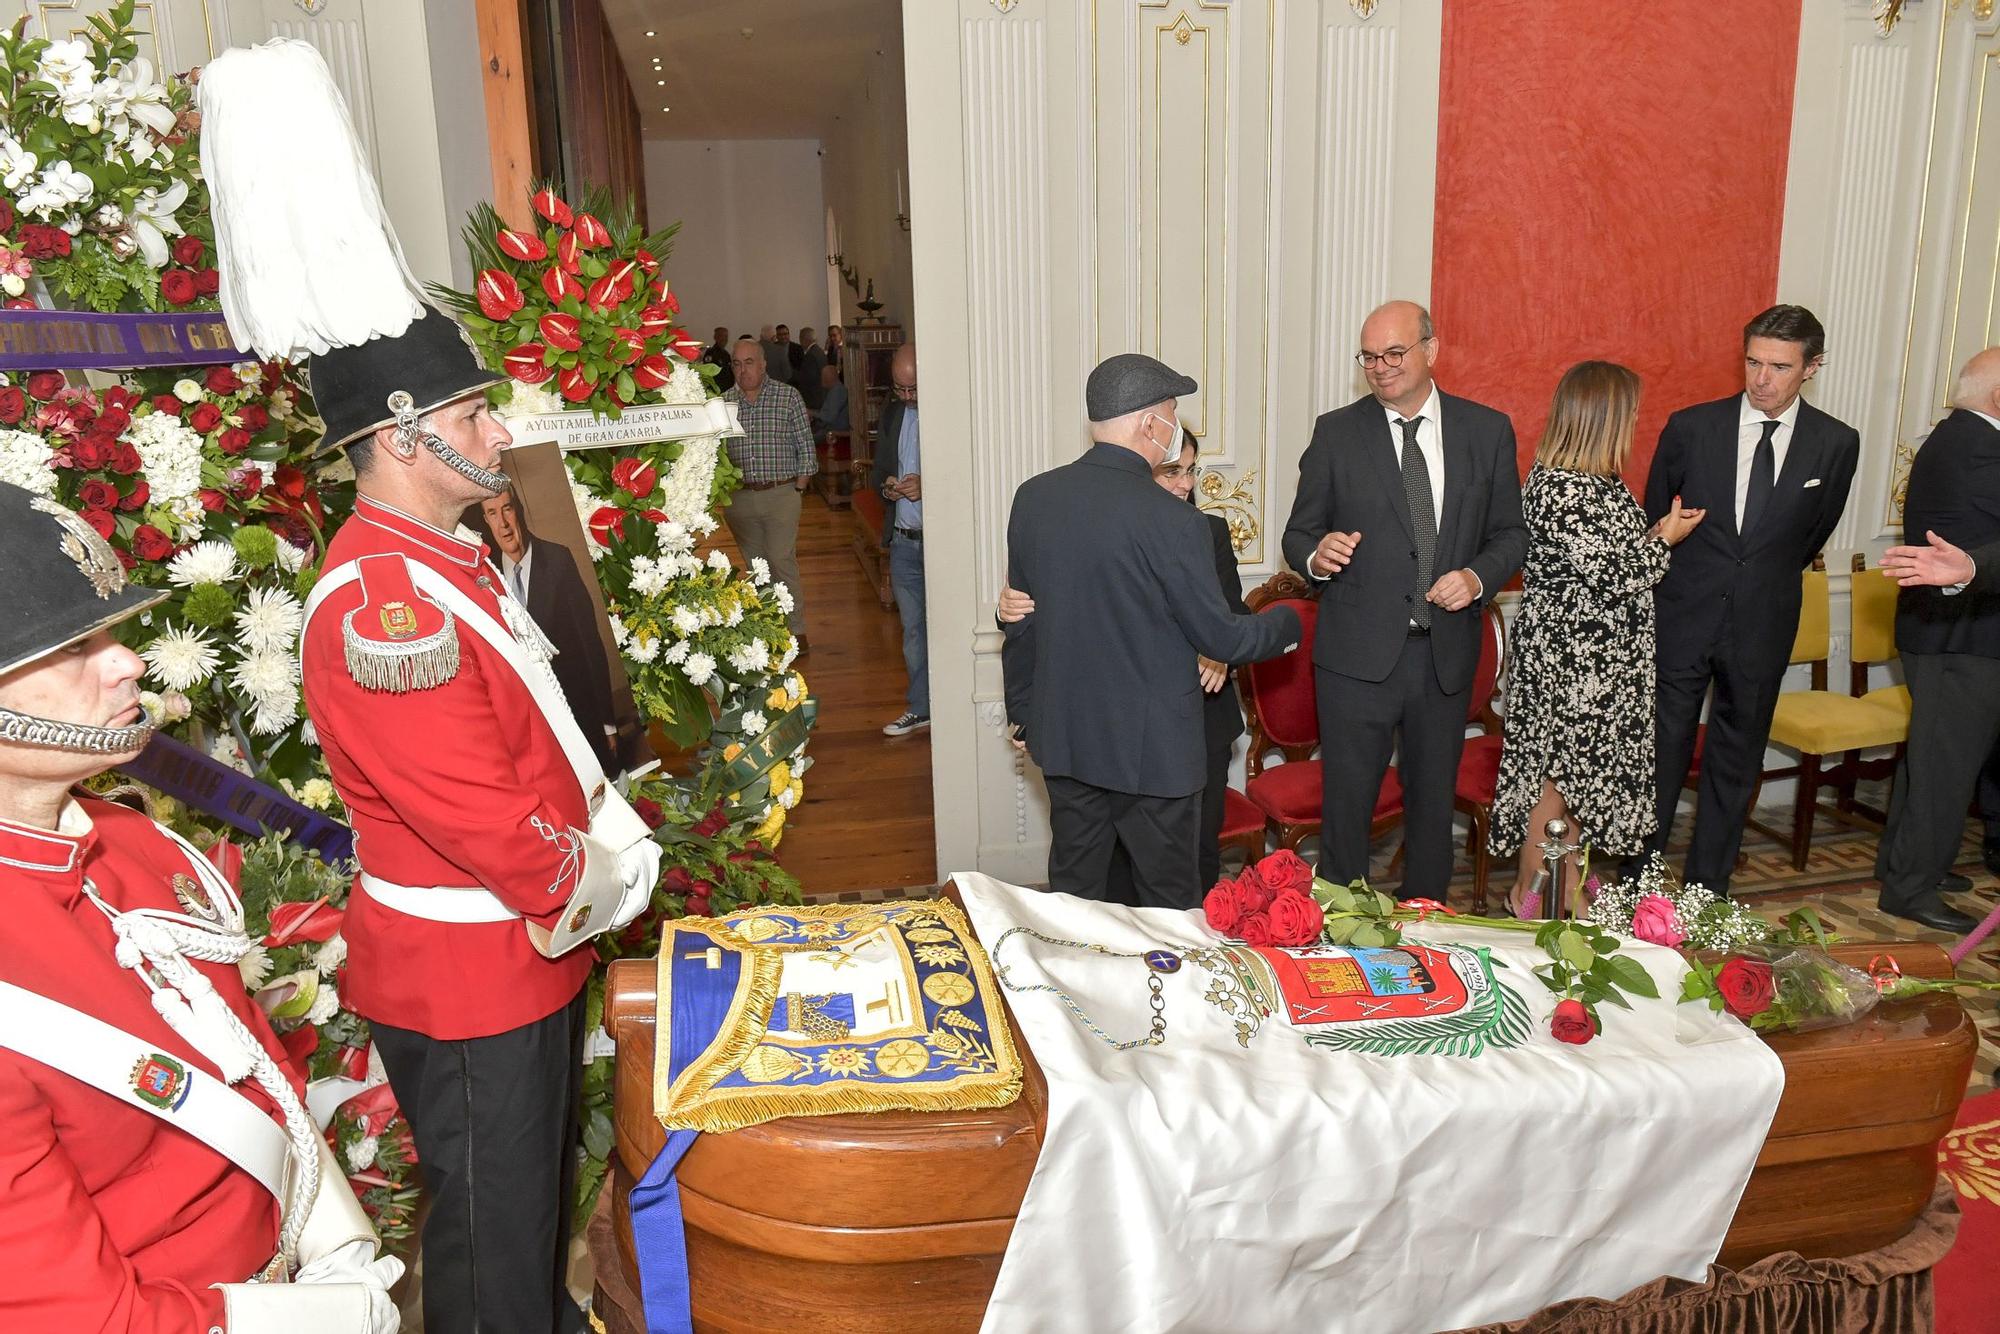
x: 59, y: 581
x: 432, y: 361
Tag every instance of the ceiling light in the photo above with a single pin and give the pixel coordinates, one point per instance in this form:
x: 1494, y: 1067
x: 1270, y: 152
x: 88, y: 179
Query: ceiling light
x: 666, y: 108
x: 660, y: 83
x: 650, y: 32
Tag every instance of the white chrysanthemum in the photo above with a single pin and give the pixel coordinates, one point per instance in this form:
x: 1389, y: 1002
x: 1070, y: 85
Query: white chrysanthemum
x: 643, y: 650
x: 269, y: 620
x: 331, y: 954
x: 361, y: 1153
x: 735, y: 616
x: 291, y: 559
x: 699, y: 668
x: 187, y: 391
x: 182, y: 658
x: 274, y: 714
x: 688, y: 488
x: 673, y: 537
x: 686, y: 621
x: 209, y: 562
x: 530, y: 400
x: 795, y: 686
x: 326, y: 1004
x: 25, y: 461
x: 718, y: 561
x: 317, y: 793
x: 619, y: 634
x: 676, y: 653
x: 788, y: 798
x: 649, y: 577
x: 684, y: 385
x: 791, y: 652
x: 760, y: 571
x: 754, y: 722
x: 255, y: 967
x: 170, y: 451
x: 266, y: 675
x: 223, y: 748
x: 783, y: 597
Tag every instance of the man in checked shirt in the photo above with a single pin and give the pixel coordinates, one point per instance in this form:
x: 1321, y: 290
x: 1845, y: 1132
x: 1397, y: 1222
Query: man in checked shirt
x: 776, y: 456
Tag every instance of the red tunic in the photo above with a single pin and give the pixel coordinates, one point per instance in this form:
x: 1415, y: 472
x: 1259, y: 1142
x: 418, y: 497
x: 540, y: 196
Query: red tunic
x: 445, y: 786
x: 110, y: 1218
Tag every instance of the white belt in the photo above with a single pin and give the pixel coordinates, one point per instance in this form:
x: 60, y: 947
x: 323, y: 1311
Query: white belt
x: 438, y: 903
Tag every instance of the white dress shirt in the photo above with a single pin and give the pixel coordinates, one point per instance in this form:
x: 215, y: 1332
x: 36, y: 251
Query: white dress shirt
x: 517, y: 584
x: 1430, y: 441
x: 1749, y: 430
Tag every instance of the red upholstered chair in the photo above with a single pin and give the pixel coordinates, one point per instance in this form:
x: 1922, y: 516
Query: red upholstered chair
x: 1479, y: 764
x: 1279, y: 700
x: 1242, y: 825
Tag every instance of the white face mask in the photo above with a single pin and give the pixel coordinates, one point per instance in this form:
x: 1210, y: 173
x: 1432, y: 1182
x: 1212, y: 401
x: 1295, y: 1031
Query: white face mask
x: 1173, y: 449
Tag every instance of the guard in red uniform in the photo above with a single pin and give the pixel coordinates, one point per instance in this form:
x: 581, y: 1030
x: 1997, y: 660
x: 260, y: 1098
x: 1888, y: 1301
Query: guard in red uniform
x: 490, y: 845
x: 158, y: 1170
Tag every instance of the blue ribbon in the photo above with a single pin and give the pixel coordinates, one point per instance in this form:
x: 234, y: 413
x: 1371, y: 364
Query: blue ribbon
x: 700, y: 998
x: 78, y: 340
x: 234, y: 797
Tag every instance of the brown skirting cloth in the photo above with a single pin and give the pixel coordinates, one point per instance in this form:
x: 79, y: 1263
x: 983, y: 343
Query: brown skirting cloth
x: 1884, y: 1291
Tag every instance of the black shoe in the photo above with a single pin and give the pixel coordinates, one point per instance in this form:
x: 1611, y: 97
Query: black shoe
x: 1990, y: 854
x: 1954, y: 883
x: 1936, y: 916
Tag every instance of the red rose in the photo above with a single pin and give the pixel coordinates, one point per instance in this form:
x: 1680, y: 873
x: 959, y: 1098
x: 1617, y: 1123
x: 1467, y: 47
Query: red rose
x: 592, y: 232
x: 559, y: 286
x: 499, y: 295
x: 254, y: 418
x: 20, y: 303
x: 13, y: 405
x: 168, y: 404
x: 569, y: 254
x: 521, y: 245
x: 524, y: 363
x: 221, y: 380
x: 1295, y: 919
x: 245, y: 483
x: 652, y: 372
x: 712, y: 823
x: 699, y: 905
x: 655, y: 319
x: 207, y: 282
x: 1223, y: 906
x: 551, y: 206
x: 1746, y: 987
x: 1285, y: 869
x: 1254, y: 929
x: 635, y: 477
x: 1572, y: 1023
x: 289, y: 482
x: 124, y: 459
x: 88, y: 455
x: 292, y: 923
x: 626, y: 345
x: 177, y: 286
x: 575, y: 385
x: 686, y: 346
x: 234, y: 440
x: 649, y: 811
x: 211, y: 499
x: 205, y: 417
x: 609, y: 522
x: 1257, y: 895
x: 188, y: 251
x: 677, y: 880
x: 40, y: 241
x: 102, y: 521
x: 45, y: 385
x: 112, y: 422
x: 149, y: 543
x: 97, y: 495
x: 142, y: 491
x: 561, y: 330
x: 670, y: 301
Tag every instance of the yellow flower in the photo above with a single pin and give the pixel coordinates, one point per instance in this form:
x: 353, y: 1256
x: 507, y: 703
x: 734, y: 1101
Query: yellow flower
x: 777, y: 699
x: 781, y: 776
x: 732, y: 750
x: 797, y: 787
x: 769, y: 832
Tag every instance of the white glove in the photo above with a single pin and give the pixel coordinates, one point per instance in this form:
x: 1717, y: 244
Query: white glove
x: 315, y: 1308
x: 639, y: 868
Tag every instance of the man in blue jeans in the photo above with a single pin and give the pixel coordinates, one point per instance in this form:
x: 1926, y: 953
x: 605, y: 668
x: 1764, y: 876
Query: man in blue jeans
x: 896, y: 477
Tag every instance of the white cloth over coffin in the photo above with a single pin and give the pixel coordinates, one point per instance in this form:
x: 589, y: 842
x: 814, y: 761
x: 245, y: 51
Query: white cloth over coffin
x: 1202, y: 1186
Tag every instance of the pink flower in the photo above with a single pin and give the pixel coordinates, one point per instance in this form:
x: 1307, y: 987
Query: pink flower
x: 1653, y: 920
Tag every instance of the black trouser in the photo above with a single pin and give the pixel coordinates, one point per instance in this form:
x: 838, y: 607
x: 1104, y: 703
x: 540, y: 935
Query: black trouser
x: 1954, y: 723
x: 1358, y: 726
x: 1119, y: 887
x: 495, y: 1125
x: 1732, y: 758
x: 1989, y: 805
x: 1088, y: 823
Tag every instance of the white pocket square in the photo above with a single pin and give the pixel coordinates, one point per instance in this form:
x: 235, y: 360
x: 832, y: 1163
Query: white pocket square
x: 1813, y: 482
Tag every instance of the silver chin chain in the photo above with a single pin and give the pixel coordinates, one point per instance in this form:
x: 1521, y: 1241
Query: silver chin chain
x: 410, y: 430
x: 28, y: 730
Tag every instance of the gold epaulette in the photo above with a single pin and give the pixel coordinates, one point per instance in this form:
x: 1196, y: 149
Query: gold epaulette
x: 397, y: 640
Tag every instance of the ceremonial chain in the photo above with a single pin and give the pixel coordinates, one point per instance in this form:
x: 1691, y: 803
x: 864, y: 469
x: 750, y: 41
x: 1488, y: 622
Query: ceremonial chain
x: 1158, y: 963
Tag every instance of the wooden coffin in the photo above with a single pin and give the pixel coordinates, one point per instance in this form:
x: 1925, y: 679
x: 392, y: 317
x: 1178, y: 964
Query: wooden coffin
x: 897, y: 1221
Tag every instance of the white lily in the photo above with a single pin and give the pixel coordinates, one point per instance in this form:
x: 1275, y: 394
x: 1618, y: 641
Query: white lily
x: 152, y: 221
x: 17, y: 164
x: 130, y: 90
x: 60, y: 188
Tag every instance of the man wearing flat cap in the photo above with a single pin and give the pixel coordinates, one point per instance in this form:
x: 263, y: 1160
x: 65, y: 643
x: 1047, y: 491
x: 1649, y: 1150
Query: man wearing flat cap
x: 1102, y: 682
x: 161, y: 1169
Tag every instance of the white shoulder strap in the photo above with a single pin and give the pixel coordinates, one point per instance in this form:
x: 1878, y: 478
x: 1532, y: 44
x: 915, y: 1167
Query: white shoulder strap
x: 113, y: 1061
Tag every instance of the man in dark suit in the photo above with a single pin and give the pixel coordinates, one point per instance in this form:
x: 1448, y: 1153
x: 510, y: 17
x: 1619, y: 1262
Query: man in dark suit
x: 1949, y: 640
x: 717, y: 356
x: 809, y: 360
x: 1101, y: 681
x: 1408, y: 516
x: 1772, y: 471
x: 542, y: 576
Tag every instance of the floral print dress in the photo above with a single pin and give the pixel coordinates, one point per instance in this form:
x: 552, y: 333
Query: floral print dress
x: 1581, y: 697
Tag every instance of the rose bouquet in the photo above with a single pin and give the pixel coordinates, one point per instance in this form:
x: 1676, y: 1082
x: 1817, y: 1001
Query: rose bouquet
x: 1270, y: 903
x: 100, y: 185
x: 371, y: 1140
x: 1653, y: 908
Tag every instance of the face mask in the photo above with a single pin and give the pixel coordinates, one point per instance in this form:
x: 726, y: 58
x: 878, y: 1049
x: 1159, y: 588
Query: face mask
x: 1173, y: 449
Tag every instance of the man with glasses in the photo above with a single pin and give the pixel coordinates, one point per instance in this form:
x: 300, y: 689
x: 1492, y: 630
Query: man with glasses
x: 1408, y: 517
x: 775, y: 454
x: 896, y: 476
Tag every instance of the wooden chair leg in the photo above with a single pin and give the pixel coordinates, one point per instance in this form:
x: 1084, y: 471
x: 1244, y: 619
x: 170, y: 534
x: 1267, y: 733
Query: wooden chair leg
x: 1806, y: 804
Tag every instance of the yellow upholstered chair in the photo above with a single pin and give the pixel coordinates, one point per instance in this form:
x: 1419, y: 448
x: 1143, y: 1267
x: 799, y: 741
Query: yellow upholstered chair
x: 1872, y: 603
x: 1820, y: 722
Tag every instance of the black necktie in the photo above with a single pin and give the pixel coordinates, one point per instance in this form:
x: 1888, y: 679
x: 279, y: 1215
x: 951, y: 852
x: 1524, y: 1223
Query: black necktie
x: 1423, y: 516
x: 1763, y: 479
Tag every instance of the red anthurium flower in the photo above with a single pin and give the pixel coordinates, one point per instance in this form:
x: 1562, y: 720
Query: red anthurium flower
x: 592, y: 232
x: 686, y: 346
x: 499, y: 295
x: 521, y: 245
x: 608, y: 522
x: 575, y: 385
x: 559, y: 285
x: 626, y: 345
x: 295, y: 922
x: 569, y: 253
x: 647, y: 262
x: 614, y: 288
x: 669, y: 300
x: 635, y: 476
x: 652, y: 372
x: 551, y: 206
x: 655, y: 320
x: 561, y: 330
x: 524, y: 363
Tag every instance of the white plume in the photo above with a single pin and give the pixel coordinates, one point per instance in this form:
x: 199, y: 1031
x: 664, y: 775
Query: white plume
x: 307, y: 258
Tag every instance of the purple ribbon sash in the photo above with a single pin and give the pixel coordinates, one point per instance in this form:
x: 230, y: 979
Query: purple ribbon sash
x: 234, y: 797
x: 77, y: 340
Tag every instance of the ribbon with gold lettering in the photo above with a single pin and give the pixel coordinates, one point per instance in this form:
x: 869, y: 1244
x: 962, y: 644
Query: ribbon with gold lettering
x: 75, y: 340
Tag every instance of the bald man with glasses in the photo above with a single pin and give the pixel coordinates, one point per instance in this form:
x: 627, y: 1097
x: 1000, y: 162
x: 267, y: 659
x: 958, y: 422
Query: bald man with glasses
x: 777, y: 459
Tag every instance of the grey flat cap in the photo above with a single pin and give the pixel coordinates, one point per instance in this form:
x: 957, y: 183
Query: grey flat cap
x: 1130, y: 381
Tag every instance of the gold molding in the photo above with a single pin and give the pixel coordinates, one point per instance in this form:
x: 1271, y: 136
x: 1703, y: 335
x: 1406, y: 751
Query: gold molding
x: 1236, y: 502
x: 1888, y: 13
x: 1363, y: 9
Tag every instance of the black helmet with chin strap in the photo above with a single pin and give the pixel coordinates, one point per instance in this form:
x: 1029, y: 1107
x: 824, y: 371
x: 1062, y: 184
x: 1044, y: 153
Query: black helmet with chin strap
x: 60, y: 583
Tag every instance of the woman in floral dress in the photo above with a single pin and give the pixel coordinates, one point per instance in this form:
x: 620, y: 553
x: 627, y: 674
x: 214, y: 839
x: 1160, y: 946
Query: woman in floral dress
x: 1579, y: 724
